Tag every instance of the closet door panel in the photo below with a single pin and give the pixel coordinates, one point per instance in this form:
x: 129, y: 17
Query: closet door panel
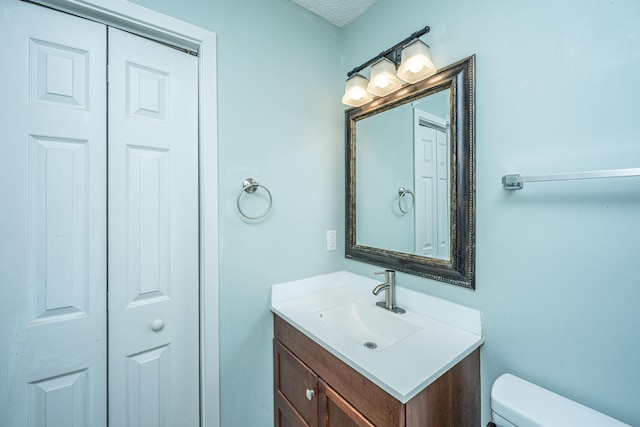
x: 153, y: 234
x: 53, y: 218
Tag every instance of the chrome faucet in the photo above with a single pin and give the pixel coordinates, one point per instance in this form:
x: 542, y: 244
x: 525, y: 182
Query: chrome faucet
x: 389, y: 285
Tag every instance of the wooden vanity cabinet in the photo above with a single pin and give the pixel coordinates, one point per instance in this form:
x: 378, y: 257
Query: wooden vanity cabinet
x: 313, y: 388
x: 304, y: 399
x: 296, y: 388
x: 335, y: 411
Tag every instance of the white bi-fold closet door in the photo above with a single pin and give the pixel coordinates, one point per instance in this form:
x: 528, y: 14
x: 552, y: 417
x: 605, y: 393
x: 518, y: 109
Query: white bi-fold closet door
x: 99, y: 265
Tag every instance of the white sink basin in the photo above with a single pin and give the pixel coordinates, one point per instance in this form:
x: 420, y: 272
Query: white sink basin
x: 366, y: 324
x: 339, y: 312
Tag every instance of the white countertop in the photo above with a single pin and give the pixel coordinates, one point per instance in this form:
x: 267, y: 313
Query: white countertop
x: 448, y: 332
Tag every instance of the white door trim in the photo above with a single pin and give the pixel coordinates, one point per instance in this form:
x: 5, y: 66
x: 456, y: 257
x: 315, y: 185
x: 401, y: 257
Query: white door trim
x: 145, y: 22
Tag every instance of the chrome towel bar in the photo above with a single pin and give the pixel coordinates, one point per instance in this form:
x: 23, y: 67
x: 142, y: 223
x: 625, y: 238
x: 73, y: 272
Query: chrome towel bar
x: 516, y: 181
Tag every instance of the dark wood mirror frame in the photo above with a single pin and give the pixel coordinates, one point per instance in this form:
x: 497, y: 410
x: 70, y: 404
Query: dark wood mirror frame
x: 460, y: 268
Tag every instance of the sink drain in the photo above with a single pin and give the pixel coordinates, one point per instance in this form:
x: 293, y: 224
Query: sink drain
x: 370, y: 345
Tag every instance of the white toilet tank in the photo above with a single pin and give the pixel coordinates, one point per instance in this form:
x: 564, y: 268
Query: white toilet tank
x: 518, y: 403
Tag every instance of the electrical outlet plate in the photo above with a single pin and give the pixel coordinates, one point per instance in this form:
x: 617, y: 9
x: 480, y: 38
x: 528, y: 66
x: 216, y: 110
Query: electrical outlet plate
x: 332, y: 238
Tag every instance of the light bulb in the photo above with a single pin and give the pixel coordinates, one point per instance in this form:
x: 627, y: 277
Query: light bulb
x: 382, y: 82
x: 415, y: 66
x: 357, y: 94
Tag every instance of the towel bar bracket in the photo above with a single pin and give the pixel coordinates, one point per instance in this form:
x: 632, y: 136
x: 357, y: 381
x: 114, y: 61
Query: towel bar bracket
x: 512, y: 182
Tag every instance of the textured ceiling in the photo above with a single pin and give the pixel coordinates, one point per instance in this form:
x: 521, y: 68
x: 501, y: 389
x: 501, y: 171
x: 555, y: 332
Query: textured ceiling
x: 338, y: 12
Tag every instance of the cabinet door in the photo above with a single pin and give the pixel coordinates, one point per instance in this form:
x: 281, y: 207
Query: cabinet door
x: 334, y: 411
x: 295, y: 390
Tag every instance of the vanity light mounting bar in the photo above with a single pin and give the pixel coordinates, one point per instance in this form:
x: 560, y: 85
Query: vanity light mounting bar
x: 393, y: 53
x: 516, y: 181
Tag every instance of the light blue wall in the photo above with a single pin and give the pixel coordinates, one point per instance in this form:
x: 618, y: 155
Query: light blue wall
x: 436, y: 104
x: 280, y: 121
x: 558, y: 264
x: 384, y: 149
x: 558, y: 271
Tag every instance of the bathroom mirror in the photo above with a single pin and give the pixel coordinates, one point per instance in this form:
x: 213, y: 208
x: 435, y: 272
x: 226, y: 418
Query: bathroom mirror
x: 410, y: 178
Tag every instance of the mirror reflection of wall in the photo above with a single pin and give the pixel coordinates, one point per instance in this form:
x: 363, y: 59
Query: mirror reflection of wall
x: 407, y: 146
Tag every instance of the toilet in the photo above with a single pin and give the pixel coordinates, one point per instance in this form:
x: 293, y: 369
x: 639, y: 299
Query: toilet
x: 518, y: 403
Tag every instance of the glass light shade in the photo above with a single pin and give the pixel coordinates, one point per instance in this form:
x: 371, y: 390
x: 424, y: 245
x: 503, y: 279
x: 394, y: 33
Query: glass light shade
x: 355, y: 93
x: 383, y: 79
x: 416, y: 63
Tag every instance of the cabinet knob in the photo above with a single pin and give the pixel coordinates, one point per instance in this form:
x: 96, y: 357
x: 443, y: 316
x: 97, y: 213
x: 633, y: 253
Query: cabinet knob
x: 157, y: 325
x: 310, y: 394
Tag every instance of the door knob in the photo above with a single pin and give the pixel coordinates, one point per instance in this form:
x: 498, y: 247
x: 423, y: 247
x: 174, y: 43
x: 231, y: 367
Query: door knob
x: 157, y: 325
x: 310, y: 394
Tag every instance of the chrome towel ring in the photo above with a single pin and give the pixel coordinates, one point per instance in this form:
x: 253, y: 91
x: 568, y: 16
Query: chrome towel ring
x: 402, y: 192
x: 250, y: 186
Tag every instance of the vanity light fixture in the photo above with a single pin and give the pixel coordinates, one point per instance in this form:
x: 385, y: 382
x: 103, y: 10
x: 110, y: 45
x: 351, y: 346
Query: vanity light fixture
x: 383, y: 78
x: 412, y: 59
x: 416, y: 62
x: 355, y: 93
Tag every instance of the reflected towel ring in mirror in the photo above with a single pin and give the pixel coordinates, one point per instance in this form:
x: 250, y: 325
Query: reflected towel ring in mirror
x: 403, y: 192
x: 250, y: 186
